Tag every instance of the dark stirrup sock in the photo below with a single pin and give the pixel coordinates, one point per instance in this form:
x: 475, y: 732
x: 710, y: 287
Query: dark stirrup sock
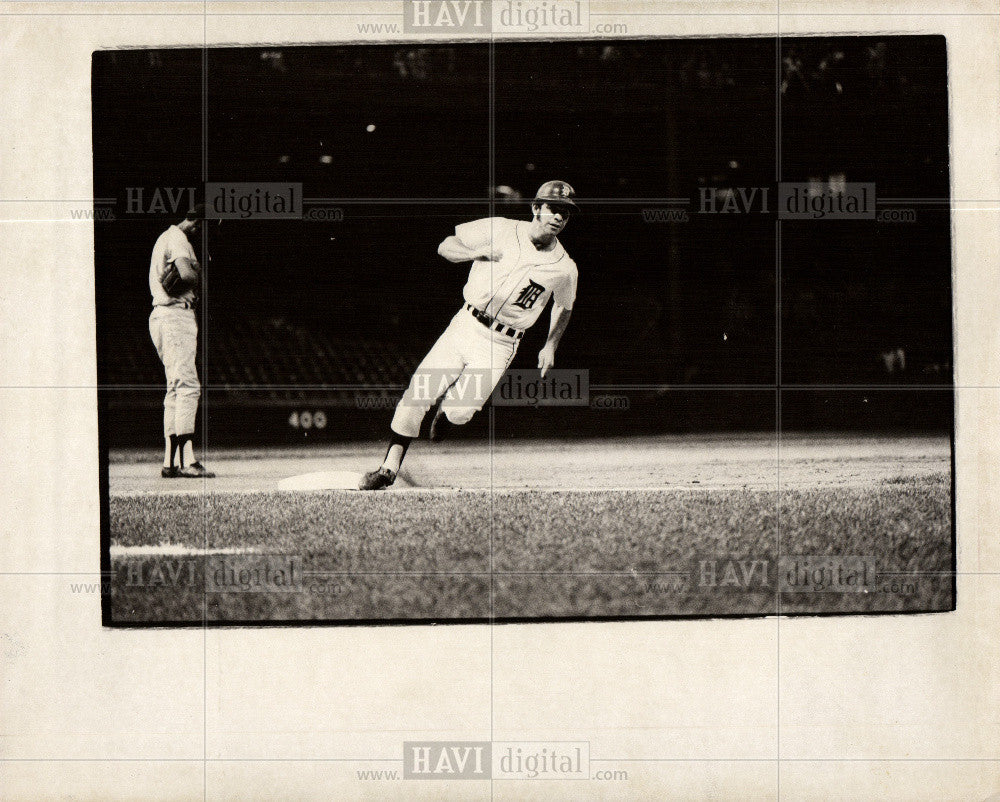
x: 396, y: 451
x: 182, y: 440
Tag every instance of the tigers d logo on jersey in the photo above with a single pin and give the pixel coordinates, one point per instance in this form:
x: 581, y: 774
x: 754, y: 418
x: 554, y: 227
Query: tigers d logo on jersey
x: 529, y: 295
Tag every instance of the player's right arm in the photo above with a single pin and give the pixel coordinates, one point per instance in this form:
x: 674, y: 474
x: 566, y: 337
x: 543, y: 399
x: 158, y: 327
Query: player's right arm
x: 472, y: 241
x: 454, y: 250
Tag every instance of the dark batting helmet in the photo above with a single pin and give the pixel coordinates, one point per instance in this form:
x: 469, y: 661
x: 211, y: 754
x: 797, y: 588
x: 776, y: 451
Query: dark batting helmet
x: 556, y: 193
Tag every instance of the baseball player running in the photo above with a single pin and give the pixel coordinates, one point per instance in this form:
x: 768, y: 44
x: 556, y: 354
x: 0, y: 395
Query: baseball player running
x: 174, y: 279
x: 516, y: 267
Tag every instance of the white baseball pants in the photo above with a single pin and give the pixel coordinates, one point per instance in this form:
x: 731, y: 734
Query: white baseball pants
x: 464, y: 365
x: 174, y: 331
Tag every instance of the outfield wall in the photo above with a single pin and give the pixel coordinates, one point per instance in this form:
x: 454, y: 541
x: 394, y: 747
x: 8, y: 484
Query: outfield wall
x: 321, y: 418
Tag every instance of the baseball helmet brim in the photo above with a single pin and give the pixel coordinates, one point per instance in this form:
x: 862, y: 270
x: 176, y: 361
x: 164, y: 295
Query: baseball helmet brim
x: 557, y: 202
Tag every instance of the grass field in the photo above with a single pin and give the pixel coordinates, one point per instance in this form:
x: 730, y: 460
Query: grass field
x: 712, y: 525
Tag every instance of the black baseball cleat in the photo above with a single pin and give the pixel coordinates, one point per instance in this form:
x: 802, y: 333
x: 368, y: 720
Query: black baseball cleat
x: 440, y: 426
x: 377, y: 480
x: 196, y: 471
x: 170, y: 472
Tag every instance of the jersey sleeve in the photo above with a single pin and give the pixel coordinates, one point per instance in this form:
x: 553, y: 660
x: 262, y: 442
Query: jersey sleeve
x: 479, y: 233
x: 178, y: 247
x: 564, y: 293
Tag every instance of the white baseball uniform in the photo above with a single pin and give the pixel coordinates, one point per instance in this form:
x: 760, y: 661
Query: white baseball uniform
x: 174, y: 330
x: 503, y: 300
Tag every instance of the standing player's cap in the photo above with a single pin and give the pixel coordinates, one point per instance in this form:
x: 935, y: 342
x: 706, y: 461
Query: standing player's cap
x: 556, y: 193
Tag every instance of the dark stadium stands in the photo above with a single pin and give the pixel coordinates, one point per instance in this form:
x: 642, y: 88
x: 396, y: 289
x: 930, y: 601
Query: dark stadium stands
x: 271, y: 360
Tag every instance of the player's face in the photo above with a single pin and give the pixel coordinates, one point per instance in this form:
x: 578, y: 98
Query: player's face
x: 553, y: 216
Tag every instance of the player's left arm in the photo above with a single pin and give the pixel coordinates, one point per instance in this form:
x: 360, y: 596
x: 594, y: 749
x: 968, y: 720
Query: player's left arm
x: 563, y: 297
x: 557, y: 327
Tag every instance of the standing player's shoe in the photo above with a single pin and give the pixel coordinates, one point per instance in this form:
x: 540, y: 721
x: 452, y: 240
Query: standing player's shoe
x: 377, y: 480
x: 196, y: 471
x: 440, y: 426
x: 169, y: 472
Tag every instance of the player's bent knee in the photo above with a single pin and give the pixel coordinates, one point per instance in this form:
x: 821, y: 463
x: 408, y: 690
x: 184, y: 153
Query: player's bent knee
x: 460, y: 415
x: 407, y: 419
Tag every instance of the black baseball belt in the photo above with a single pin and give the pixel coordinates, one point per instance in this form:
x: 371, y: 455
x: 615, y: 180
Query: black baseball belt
x: 495, y: 325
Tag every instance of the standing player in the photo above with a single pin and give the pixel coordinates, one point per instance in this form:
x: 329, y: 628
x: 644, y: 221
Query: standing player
x: 516, y: 266
x: 174, y: 280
